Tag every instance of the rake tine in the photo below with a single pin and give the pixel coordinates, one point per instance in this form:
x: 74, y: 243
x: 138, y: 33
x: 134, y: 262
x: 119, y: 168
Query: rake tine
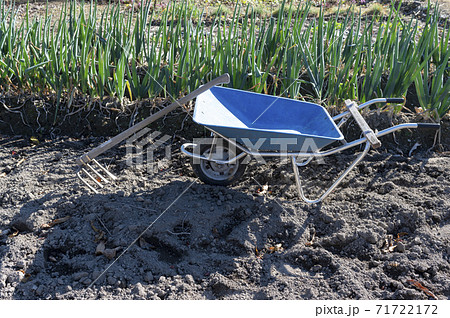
x: 85, y: 182
x: 104, y: 170
x: 138, y: 131
x: 98, y: 174
x: 92, y: 178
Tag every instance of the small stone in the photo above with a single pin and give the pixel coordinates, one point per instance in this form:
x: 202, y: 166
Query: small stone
x: 367, y: 170
x: 400, y: 247
x: 386, y: 188
x: 341, y: 237
x: 436, y: 218
x: 140, y: 199
x: 162, y: 280
x: 21, y: 264
x: 96, y: 274
x: 100, y: 248
x: 161, y: 293
x: 316, y: 268
x: 3, y: 278
x: 139, y: 289
x: 21, y: 226
x: 68, y: 288
x: 111, y: 280
x: 211, y: 208
x: 248, y: 212
x: 189, y: 279
x: 421, y: 268
x: 87, y: 281
x: 60, y: 281
x: 369, y: 237
x: 148, y: 277
x: 79, y: 275
x: 110, y: 253
x: 326, y: 218
x: 40, y: 290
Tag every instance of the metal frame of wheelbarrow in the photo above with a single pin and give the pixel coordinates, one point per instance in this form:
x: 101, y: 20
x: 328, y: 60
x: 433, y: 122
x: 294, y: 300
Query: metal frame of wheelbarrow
x: 370, y: 139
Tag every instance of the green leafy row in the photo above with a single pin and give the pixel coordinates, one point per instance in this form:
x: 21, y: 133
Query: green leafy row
x: 120, y: 52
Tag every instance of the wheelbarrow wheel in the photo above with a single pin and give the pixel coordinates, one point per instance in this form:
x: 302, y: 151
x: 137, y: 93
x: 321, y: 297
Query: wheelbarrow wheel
x: 214, y: 173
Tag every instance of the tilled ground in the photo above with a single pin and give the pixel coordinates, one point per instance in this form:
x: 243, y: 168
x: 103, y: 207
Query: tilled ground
x: 162, y: 234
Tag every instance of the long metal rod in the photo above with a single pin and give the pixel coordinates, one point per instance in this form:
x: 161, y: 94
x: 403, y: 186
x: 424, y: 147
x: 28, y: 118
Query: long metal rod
x: 334, y: 185
x: 364, y: 105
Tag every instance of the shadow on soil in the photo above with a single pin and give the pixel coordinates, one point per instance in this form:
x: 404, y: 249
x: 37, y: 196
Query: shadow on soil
x: 205, y: 232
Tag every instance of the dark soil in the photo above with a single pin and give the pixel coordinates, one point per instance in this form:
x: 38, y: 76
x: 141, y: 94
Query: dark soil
x: 169, y: 236
x: 161, y: 234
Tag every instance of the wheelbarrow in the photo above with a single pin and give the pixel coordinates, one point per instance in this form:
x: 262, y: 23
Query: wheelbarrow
x: 245, y: 124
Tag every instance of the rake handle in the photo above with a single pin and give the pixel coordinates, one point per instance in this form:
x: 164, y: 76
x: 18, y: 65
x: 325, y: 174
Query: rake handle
x: 86, y: 158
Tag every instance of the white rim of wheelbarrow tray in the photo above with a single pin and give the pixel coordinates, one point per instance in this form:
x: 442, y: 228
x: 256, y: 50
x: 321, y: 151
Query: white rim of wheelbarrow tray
x: 209, y: 111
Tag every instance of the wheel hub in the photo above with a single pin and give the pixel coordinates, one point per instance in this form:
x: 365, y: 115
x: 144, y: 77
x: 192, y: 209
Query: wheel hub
x: 216, y: 170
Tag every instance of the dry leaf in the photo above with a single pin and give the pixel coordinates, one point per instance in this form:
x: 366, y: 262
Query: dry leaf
x: 388, y: 245
x: 54, y: 222
x: 275, y: 248
x: 100, y: 234
x: 422, y: 288
x: 418, y: 110
x: 34, y: 140
x: 14, y: 234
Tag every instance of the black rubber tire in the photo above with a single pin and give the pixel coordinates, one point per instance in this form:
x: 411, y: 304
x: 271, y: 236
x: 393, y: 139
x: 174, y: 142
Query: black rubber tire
x: 205, y: 170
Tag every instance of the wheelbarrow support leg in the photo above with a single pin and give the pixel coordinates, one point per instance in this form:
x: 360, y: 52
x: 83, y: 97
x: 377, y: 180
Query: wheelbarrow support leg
x: 335, y: 184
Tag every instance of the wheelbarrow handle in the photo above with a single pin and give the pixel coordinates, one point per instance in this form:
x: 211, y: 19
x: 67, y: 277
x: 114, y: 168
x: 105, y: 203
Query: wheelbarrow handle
x: 86, y: 158
x: 371, y: 102
x: 395, y: 100
x: 430, y: 126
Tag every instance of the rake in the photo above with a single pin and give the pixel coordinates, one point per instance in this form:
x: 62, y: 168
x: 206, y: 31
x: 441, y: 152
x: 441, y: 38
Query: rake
x: 94, y: 175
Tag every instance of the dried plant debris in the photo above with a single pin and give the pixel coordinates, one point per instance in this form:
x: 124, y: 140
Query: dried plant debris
x: 15, y: 233
x: 100, y: 235
x: 392, y: 244
x: 310, y: 242
x: 54, y: 222
x: 419, y: 286
x: 268, y: 250
x: 263, y: 190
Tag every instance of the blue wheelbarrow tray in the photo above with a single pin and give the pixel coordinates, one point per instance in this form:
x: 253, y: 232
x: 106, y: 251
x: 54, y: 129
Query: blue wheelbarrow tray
x: 258, y: 121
